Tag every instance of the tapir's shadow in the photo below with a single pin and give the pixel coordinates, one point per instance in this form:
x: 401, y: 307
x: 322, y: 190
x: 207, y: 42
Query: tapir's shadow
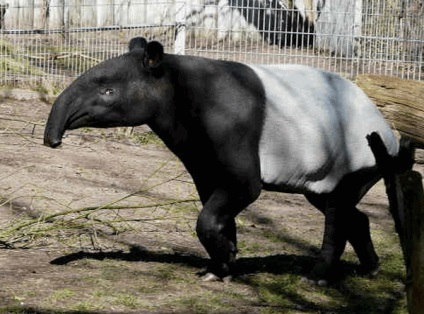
x: 273, y: 264
x: 136, y: 254
x: 299, y: 265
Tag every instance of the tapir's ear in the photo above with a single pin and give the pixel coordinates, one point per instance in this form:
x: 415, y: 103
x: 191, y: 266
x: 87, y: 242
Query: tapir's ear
x: 153, y: 54
x: 137, y: 43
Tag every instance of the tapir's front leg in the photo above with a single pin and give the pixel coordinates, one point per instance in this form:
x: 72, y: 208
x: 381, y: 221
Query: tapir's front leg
x: 216, y: 229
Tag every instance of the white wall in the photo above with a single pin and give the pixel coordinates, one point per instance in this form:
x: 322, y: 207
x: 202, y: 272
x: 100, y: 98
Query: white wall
x: 336, y: 21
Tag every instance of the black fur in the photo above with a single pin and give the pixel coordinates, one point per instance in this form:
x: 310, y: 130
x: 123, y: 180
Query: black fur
x: 212, y: 125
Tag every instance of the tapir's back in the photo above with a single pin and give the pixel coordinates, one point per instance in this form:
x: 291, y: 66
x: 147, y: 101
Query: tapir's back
x: 315, y: 129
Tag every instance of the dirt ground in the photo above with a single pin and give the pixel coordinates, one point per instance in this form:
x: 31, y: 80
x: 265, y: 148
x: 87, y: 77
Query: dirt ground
x: 152, y: 266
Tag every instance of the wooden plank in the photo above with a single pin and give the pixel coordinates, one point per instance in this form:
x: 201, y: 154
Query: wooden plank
x: 400, y: 101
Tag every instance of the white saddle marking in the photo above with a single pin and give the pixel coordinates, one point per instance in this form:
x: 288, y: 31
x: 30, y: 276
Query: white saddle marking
x: 315, y: 128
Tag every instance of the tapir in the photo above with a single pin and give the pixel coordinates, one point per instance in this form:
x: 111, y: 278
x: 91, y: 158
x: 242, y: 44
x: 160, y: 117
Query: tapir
x: 240, y: 129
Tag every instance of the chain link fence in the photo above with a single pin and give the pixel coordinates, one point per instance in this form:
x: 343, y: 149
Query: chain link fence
x: 50, y: 42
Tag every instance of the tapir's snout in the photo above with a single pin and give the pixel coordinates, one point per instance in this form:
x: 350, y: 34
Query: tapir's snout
x: 54, y: 130
x: 56, y: 123
x: 53, y: 143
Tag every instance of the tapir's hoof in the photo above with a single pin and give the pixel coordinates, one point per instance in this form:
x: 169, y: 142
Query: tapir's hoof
x: 375, y: 271
x: 322, y: 282
x: 318, y: 282
x: 210, y: 277
x: 324, y: 274
x: 371, y: 271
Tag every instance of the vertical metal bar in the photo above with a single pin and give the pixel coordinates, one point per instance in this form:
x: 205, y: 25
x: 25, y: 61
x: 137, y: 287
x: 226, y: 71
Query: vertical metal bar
x: 357, y: 34
x: 180, y: 25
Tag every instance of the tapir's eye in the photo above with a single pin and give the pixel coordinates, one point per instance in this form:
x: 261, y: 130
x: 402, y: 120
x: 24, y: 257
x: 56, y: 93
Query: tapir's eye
x: 107, y: 91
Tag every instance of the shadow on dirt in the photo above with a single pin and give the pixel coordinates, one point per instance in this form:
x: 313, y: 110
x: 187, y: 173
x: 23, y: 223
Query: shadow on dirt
x: 356, y: 297
x: 274, y: 264
x: 136, y: 254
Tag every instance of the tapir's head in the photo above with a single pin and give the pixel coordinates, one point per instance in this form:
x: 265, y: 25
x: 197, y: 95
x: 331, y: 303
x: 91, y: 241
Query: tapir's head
x: 123, y: 91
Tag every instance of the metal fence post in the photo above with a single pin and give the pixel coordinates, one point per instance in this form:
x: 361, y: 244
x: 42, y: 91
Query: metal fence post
x: 180, y: 27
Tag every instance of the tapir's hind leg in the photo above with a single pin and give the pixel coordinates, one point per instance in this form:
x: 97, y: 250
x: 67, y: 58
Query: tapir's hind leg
x: 359, y: 236
x: 343, y: 222
x: 334, y: 239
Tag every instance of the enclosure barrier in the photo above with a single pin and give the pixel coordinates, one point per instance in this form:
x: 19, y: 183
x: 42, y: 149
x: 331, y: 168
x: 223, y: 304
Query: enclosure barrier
x: 406, y: 201
x: 52, y: 42
x: 401, y: 102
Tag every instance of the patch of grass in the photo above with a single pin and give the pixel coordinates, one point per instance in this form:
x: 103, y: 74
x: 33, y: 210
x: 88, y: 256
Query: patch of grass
x: 7, y: 48
x: 208, y: 302
x: 62, y: 294
x: 165, y: 273
x: 86, y: 306
x: 278, y: 291
x: 12, y: 65
x: 111, y: 270
x: 48, y: 87
x: 287, y: 292
x: 128, y: 300
x: 147, y: 138
x: 110, y: 296
x: 250, y: 248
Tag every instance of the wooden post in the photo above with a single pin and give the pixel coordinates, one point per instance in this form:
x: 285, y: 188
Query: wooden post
x: 406, y: 200
x: 413, y: 199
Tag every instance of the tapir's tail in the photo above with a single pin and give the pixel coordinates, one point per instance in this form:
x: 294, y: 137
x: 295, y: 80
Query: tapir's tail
x: 402, y: 162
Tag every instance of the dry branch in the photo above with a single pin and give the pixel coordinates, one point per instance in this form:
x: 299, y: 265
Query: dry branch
x: 72, y: 55
x: 90, y: 220
x: 78, y: 218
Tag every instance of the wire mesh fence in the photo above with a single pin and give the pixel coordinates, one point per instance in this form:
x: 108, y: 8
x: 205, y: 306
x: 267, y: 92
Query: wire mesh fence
x: 69, y: 37
x: 54, y: 41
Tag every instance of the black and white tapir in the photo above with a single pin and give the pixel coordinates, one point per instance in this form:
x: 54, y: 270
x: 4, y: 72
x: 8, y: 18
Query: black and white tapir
x: 239, y: 129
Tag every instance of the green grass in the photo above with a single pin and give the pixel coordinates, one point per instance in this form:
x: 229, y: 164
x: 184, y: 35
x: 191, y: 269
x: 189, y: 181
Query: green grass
x: 12, y: 62
x: 147, y: 138
x: 62, y: 294
x: 16, y: 66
